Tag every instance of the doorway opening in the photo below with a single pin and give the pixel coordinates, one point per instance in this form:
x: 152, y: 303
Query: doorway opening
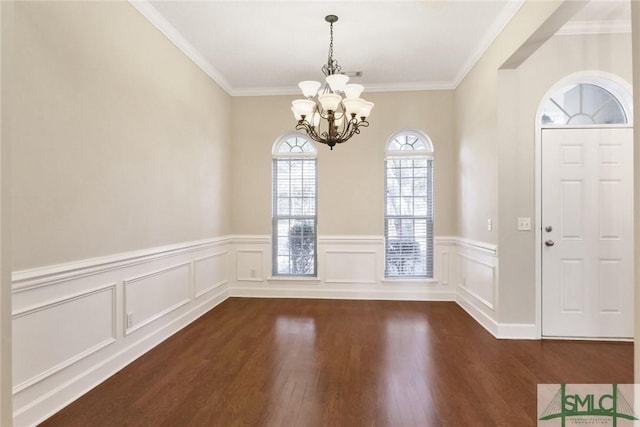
x: 584, y: 205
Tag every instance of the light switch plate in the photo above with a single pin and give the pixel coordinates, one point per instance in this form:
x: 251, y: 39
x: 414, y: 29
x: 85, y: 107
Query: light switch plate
x: 524, y: 224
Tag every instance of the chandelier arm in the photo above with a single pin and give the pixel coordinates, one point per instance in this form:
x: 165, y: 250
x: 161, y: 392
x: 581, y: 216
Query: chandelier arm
x: 321, y: 125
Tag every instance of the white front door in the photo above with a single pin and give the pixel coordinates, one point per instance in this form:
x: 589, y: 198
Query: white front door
x: 587, y: 233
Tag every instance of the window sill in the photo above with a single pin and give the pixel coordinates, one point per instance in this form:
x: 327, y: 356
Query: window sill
x: 305, y: 279
x: 409, y: 281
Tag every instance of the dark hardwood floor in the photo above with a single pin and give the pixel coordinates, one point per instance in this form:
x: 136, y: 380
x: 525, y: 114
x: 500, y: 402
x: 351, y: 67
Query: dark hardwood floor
x: 308, y: 363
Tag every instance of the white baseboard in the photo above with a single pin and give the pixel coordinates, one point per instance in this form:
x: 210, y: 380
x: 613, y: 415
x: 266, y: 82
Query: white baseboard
x: 64, y: 394
x: 193, y: 278
x: 353, y: 294
x: 114, y: 323
x: 513, y: 331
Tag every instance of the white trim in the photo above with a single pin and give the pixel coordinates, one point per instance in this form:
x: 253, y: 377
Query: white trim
x: 365, y: 294
x: 127, y: 282
x: 294, y: 279
x: 410, y: 281
x: 478, y: 315
x: 57, y: 398
x: 43, y: 276
x: 512, y: 331
x: 262, y: 259
x: 351, y: 240
x: 369, y: 88
x: 575, y: 28
x: 517, y: 331
x: 250, y: 239
x: 474, y: 294
x: 157, y: 20
x: 428, y: 152
x: 70, y: 361
x: 285, y: 137
x: 504, y: 18
x: 351, y: 251
x: 194, y: 267
x: 37, y: 289
x: 487, y: 248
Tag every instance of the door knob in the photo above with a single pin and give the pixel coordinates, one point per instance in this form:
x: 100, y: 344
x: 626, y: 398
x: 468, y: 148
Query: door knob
x: 548, y: 229
x: 549, y: 243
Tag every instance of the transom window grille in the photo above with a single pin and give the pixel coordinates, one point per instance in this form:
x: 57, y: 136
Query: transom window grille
x: 408, y: 203
x: 583, y: 104
x: 294, y: 219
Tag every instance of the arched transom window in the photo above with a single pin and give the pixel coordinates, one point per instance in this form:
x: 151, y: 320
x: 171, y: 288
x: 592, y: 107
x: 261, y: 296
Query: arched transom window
x: 408, y: 211
x: 583, y: 104
x: 294, y: 206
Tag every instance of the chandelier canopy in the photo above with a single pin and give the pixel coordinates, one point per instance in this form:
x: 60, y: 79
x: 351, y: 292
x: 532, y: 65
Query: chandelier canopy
x: 334, y: 114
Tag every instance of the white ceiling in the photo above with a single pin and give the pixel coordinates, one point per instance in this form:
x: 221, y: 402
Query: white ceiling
x: 266, y: 47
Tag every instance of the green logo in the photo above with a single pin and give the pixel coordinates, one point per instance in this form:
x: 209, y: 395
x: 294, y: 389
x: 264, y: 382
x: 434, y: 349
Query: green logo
x: 588, y: 407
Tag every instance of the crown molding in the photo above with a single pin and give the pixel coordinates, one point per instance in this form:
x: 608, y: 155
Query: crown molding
x: 594, y: 27
x: 369, y: 88
x: 491, y: 35
x: 157, y: 20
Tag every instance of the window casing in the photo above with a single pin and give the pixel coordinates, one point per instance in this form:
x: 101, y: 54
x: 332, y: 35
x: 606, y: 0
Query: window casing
x: 408, y: 218
x: 294, y: 207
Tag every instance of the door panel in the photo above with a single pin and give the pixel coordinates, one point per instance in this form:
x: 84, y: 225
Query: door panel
x: 587, y: 260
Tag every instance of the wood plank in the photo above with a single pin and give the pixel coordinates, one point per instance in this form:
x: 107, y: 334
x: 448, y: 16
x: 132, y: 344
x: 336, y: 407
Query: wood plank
x: 287, y: 362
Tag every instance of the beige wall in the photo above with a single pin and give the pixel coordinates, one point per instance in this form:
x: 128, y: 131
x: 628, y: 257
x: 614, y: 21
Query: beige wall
x: 476, y: 125
x: 6, y: 384
x: 121, y: 142
x: 520, y: 93
x: 351, y: 177
x: 635, y: 22
x: 495, y: 112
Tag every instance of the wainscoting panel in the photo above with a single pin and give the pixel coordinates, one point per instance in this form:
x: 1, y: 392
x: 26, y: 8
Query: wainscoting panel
x: 477, y: 278
x: 477, y: 282
x: 76, y: 324
x: 250, y: 265
x: 210, y: 272
x: 151, y: 296
x: 65, y: 331
x: 350, y: 266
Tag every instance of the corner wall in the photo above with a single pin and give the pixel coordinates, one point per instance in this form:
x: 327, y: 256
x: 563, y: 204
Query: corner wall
x: 351, y: 177
x: 520, y: 93
x: 120, y: 142
x: 6, y: 47
x: 120, y: 197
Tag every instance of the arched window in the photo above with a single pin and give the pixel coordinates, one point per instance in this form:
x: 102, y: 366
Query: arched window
x: 294, y: 217
x: 408, y: 210
x: 583, y: 104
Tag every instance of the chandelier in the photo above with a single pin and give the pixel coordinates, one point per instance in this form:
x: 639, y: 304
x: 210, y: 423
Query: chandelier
x: 325, y: 115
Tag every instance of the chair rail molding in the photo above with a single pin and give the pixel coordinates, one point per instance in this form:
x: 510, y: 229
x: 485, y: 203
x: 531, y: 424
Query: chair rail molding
x: 78, y: 323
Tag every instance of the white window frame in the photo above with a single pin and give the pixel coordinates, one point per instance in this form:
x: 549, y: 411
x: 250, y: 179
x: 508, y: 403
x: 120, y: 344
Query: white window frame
x: 425, y: 152
x: 292, y: 154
